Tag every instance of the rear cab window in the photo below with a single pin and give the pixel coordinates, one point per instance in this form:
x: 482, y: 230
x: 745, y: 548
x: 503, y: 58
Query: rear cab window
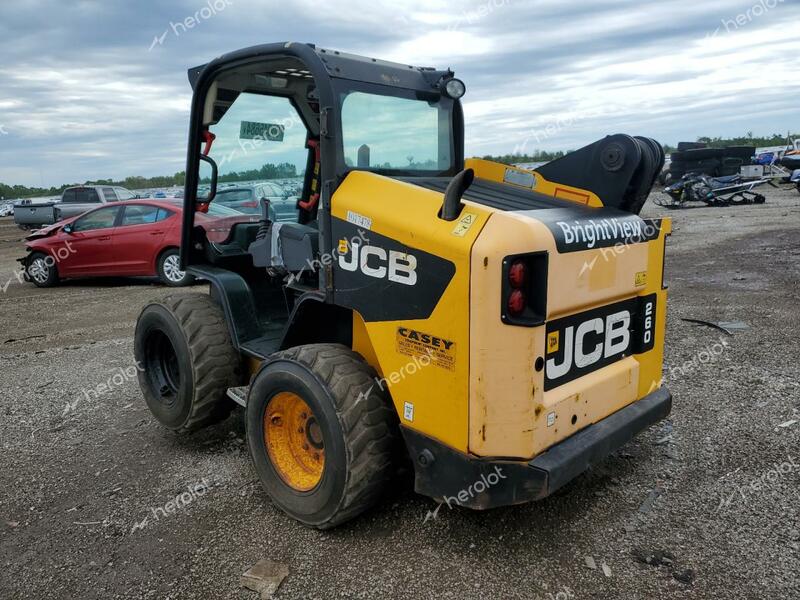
x: 87, y: 196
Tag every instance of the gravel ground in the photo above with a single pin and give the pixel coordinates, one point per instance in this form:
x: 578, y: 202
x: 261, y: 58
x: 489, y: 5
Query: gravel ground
x: 704, y: 505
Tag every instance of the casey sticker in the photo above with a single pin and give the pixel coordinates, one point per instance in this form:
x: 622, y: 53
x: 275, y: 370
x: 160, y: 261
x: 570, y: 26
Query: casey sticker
x: 439, y: 351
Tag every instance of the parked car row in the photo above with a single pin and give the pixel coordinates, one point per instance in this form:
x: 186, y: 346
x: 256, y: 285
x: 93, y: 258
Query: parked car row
x: 101, y: 231
x: 246, y: 199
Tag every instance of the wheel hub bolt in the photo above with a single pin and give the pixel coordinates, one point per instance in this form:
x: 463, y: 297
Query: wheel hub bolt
x: 277, y: 421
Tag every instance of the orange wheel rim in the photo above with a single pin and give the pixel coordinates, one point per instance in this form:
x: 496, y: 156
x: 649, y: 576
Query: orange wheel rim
x: 294, y: 441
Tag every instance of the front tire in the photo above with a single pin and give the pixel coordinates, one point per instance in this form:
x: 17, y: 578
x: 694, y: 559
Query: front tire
x: 322, y: 434
x: 186, y: 361
x: 169, y: 269
x: 41, y: 270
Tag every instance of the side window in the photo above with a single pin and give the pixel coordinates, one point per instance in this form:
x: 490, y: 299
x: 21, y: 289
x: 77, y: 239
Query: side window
x: 124, y: 194
x: 110, y: 195
x: 87, y: 196
x: 163, y: 213
x: 259, y: 139
x: 102, y: 218
x: 139, y: 214
x: 69, y: 197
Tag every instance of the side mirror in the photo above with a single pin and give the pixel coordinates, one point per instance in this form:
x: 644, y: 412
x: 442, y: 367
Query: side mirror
x: 67, y: 228
x: 212, y: 190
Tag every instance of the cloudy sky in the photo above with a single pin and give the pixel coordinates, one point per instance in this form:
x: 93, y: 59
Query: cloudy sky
x: 97, y: 88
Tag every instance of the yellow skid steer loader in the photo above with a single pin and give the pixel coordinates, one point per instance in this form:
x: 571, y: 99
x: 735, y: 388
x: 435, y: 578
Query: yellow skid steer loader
x: 377, y: 301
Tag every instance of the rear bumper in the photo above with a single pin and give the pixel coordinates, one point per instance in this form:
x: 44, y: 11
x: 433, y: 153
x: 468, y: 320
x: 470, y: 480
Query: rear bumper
x: 477, y: 483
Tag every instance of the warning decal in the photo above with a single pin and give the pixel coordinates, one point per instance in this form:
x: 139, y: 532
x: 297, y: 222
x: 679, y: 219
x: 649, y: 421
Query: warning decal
x: 428, y: 348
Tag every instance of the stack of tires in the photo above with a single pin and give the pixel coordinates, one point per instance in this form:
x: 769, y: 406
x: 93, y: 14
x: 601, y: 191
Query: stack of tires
x: 695, y: 157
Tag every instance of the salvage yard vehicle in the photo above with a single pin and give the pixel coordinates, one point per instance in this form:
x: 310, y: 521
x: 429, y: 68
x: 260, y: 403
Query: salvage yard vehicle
x: 714, y: 191
x: 136, y: 238
x: 247, y: 199
x: 497, y: 330
x: 74, y: 201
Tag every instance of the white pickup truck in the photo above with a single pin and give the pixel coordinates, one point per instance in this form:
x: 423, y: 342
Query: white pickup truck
x: 74, y: 201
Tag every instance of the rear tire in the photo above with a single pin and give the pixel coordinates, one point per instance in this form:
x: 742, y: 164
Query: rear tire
x: 338, y: 466
x: 169, y: 271
x: 41, y: 270
x: 186, y: 361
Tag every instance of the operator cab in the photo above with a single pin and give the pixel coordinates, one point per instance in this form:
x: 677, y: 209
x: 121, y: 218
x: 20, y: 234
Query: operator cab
x: 261, y: 128
x: 290, y: 117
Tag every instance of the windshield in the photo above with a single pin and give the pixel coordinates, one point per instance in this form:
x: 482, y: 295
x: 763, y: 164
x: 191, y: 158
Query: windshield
x: 397, y: 133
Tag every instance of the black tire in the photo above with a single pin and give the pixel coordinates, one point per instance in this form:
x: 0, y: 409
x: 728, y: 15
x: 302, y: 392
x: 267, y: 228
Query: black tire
x: 168, y: 272
x: 186, y: 361
x: 41, y: 270
x: 359, y: 427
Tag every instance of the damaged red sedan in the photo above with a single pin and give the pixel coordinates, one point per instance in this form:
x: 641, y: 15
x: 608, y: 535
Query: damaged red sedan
x: 126, y: 239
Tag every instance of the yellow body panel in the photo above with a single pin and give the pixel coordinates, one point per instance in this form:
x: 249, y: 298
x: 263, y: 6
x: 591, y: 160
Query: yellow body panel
x: 409, y: 214
x: 486, y: 169
x: 485, y: 397
x: 509, y: 408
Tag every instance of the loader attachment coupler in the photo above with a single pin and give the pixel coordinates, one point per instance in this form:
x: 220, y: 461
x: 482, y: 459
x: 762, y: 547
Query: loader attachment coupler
x: 620, y: 169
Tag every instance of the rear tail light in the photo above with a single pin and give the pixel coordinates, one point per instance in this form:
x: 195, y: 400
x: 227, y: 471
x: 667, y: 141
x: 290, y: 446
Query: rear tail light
x: 524, y: 289
x: 517, y: 274
x: 516, y: 303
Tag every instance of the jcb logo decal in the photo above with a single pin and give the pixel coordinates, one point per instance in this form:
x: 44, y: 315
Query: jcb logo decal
x: 552, y: 342
x: 592, y: 341
x: 374, y: 261
x: 385, y: 279
x: 583, y: 343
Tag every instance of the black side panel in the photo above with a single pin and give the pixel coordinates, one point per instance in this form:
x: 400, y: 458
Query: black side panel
x: 314, y: 322
x: 236, y: 298
x: 495, y: 195
x: 383, y: 279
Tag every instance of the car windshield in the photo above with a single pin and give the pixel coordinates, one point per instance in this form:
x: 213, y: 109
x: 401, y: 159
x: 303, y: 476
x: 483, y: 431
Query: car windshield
x: 394, y: 133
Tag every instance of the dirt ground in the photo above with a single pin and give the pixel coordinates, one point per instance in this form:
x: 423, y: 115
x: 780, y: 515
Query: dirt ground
x: 704, y: 505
